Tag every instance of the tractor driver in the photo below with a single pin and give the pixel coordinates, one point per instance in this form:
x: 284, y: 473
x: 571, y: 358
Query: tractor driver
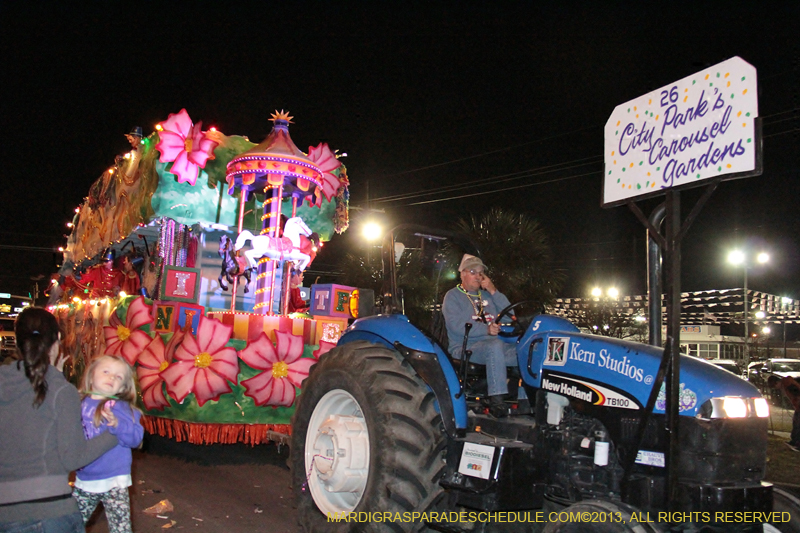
x: 477, y: 301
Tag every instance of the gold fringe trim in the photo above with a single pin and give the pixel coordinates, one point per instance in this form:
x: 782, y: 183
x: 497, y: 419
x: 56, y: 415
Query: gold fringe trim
x: 252, y: 434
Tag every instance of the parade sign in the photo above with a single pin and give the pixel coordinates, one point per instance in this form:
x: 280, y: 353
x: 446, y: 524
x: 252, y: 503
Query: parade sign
x: 697, y: 128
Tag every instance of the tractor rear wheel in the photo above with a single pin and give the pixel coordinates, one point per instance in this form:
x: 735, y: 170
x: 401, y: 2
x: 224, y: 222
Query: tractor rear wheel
x: 596, y: 516
x: 367, y: 442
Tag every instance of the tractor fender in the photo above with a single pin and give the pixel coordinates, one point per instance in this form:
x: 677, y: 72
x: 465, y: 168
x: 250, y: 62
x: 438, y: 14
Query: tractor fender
x: 427, y: 358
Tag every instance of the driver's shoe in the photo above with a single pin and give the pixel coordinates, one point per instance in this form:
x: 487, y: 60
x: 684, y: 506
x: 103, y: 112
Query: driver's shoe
x: 498, y: 407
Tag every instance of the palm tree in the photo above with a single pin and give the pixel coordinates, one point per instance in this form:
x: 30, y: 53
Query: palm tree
x: 516, y: 251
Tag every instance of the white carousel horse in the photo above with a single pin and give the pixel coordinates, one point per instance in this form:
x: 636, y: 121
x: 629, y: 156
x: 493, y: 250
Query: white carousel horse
x: 286, y: 248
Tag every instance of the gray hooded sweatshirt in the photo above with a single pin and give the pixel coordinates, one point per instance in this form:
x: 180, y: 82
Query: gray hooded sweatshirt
x: 39, y: 447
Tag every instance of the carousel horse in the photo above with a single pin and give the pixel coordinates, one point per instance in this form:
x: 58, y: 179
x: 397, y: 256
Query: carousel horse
x: 233, y: 265
x: 286, y: 248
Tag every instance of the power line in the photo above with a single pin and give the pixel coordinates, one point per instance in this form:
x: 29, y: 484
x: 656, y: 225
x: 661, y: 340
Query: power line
x: 494, y: 179
x: 435, y: 165
x: 502, y: 190
x: 473, y: 184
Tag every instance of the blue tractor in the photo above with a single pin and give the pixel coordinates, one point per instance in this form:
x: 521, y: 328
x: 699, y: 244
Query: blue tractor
x: 385, y: 439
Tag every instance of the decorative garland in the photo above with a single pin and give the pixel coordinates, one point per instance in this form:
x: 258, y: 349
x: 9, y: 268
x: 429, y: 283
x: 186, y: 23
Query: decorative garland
x: 194, y: 433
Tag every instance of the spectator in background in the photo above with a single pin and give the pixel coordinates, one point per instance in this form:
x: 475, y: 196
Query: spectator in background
x: 791, y: 388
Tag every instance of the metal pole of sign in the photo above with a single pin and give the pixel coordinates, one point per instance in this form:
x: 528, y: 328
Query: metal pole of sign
x: 673, y: 291
x: 654, y: 269
x: 669, y: 369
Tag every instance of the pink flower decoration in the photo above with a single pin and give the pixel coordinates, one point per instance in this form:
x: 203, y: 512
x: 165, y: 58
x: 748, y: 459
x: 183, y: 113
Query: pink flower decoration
x: 128, y: 340
x: 284, y: 369
x: 153, y: 360
x: 203, y: 364
x: 324, y: 347
x: 186, y: 146
x: 327, y: 162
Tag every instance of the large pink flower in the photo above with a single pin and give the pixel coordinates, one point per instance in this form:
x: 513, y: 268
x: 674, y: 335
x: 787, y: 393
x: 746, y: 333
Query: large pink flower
x: 186, y: 146
x: 128, y: 340
x: 327, y: 163
x: 154, y: 360
x: 203, y: 364
x: 284, y: 369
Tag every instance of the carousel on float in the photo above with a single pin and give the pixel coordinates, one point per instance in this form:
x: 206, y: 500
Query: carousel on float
x: 185, y: 259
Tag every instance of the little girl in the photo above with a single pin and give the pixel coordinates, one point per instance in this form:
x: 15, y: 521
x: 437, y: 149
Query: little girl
x: 109, y: 395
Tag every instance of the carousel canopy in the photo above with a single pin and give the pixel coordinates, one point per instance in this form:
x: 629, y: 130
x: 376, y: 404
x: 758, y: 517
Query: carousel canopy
x: 276, y: 161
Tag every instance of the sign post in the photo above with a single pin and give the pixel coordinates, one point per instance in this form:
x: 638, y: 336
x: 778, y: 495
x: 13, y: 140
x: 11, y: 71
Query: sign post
x: 697, y: 131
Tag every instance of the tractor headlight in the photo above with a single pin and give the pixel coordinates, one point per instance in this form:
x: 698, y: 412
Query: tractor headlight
x: 762, y: 407
x: 734, y: 407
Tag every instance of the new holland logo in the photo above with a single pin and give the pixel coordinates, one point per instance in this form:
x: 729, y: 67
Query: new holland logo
x: 588, y: 392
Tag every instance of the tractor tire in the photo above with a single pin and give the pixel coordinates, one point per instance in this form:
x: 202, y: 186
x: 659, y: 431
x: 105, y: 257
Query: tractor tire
x: 785, y: 502
x: 366, y: 438
x: 596, y: 516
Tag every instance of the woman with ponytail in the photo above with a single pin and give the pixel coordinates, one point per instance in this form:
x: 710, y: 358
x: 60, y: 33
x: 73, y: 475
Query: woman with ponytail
x: 41, y: 435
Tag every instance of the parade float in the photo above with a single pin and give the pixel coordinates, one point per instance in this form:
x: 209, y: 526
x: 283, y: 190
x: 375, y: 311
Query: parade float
x: 180, y: 260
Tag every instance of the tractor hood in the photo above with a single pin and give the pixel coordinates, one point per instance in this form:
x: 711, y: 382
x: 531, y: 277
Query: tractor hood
x: 555, y: 356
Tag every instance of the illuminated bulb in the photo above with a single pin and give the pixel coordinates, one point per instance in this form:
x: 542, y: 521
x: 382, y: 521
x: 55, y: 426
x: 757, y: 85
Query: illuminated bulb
x: 111, y: 170
x: 734, y: 407
x: 372, y: 231
x: 123, y: 294
x: 596, y: 292
x: 736, y: 257
x: 613, y: 292
x: 158, y: 127
x: 69, y: 224
x: 212, y: 128
x: 762, y: 408
x: 127, y: 156
x: 60, y: 248
x: 77, y: 209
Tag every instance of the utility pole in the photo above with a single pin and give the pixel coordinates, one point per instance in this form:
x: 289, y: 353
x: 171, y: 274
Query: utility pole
x: 746, y: 321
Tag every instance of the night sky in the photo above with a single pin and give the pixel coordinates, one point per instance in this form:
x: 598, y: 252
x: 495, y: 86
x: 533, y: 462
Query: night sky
x: 420, y: 96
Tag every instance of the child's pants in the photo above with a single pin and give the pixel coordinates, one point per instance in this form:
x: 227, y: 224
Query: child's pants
x: 117, y: 503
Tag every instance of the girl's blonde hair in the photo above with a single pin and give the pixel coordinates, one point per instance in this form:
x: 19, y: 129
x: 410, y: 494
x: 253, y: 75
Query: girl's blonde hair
x: 126, y: 394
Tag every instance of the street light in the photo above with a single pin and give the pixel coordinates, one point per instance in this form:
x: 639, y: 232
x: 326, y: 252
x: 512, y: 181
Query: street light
x: 766, y: 331
x: 611, y: 292
x: 372, y: 231
x: 785, y: 301
x: 738, y: 257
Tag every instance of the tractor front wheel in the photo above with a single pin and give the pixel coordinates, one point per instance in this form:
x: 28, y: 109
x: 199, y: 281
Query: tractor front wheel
x: 367, y: 443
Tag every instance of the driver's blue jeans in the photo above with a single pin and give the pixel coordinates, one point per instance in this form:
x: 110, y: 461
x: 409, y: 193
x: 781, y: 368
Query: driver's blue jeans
x: 496, y: 355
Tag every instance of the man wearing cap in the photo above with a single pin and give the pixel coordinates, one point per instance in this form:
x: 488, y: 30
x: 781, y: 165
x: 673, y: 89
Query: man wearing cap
x: 477, y: 301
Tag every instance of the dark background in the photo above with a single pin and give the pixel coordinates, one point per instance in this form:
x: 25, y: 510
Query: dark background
x: 420, y: 96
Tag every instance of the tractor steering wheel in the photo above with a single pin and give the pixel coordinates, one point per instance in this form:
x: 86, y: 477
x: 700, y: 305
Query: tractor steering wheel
x: 517, y: 328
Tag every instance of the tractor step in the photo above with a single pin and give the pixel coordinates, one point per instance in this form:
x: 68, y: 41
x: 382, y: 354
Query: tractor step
x: 513, y: 428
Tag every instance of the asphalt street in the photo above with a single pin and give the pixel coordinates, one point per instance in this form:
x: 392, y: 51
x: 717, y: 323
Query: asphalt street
x: 212, y: 489
x: 239, y: 488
